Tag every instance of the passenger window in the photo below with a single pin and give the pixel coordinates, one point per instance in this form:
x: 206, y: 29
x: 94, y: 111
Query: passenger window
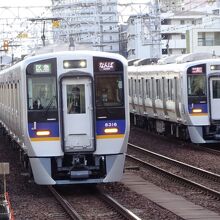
x: 129, y: 84
x: 158, y: 89
x: 170, y: 89
x: 135, y: 87
x: 139, y: 88
x: 148, y: 95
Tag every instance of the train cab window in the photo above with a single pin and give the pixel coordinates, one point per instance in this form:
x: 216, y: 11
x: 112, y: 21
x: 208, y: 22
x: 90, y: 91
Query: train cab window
x: 42, y: 93
x: 216, y: 89
x: 109, y: 90
x: 76, y: 99
x: 196, y: 85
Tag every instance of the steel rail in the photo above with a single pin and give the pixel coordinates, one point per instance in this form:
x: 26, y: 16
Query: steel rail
x: 205, y: 189
x: 127, y: 214
x: 68, y: 208
x: 202, y: 172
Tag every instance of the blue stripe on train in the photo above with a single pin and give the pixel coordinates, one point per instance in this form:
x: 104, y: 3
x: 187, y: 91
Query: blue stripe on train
x: 102, y: 124
x: 53, y: 127
x: 204, y: 107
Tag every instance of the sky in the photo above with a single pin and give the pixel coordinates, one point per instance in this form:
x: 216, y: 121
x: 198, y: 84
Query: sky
x: 24, y: 2
x: 48, y: 2
x: 21, y: 26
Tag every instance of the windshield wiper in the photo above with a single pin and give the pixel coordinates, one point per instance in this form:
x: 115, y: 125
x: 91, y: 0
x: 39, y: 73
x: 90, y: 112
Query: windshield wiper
x: 49, y: 105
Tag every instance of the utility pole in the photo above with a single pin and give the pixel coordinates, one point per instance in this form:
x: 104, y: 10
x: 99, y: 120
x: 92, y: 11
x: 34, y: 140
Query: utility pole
x: 43, y: 37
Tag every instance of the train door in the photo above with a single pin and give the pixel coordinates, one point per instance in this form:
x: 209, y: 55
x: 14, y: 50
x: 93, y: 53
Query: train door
x: 78, y: 121
x: 215, y: 98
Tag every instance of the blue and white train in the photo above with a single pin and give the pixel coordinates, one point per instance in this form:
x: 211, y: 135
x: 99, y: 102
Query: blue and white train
x: 180, y: 99
x: 68, y: 113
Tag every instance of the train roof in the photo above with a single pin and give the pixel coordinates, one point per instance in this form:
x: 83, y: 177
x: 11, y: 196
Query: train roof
x: 173, y: 67
x: 77, y: 53
x: 175, y: 63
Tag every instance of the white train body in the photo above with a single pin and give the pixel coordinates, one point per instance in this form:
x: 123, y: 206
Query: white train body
x: 181, y: 99
x: 68, y: 112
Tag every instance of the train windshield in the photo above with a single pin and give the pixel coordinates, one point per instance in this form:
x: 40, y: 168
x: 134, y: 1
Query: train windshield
x: 197, y: 85
x: 42, y: 93
x: 109, y: 90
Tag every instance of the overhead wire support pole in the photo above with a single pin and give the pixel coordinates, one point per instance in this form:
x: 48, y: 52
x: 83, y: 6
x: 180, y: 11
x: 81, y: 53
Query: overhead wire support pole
x: 43, y: 34
x: 43, y: 37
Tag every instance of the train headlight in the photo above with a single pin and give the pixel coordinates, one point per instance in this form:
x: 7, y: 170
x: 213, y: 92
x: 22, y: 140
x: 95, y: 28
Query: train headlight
x: 72, y: 64
x: 82, y: 63
x: 111, y: 130
x: 66, y: 65
x: 197, y: 110
x: 43, y: 133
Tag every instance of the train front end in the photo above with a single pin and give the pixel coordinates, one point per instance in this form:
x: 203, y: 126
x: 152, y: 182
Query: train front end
x: 78, y: 123
x: 203, y: 89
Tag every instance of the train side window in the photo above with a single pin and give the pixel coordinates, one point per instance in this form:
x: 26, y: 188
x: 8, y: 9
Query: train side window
x: 139, y: 88
x: 216, y: 89
x: 158, y: 89
x: 16, y: 98
x: 164, y: 94
x: 170, y: 89
x: 9, y: 92
x: 135, y: 87
x: 143, y: 92
x: 12, y: 96
x: 152, y: 88
x: 130, y: 86
x: 148, y: 95
x: 177, y: 88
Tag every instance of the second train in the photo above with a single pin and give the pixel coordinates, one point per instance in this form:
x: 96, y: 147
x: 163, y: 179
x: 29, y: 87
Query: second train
x: 180, y: 99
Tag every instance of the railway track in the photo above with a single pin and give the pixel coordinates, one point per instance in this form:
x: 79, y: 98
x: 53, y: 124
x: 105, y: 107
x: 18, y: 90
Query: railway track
x: 115, y: 209
x: 209, y: 148
x: 198, y: 178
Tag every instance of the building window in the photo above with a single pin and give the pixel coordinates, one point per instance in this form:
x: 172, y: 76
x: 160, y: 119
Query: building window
x: 166, y: 36
x: 164, y: 51
x: 166, y: 22
x: 217, y: 38
x: 208, y: 38
x: 183, y: 36
x: 182, y: 22
x: 132, y: 21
